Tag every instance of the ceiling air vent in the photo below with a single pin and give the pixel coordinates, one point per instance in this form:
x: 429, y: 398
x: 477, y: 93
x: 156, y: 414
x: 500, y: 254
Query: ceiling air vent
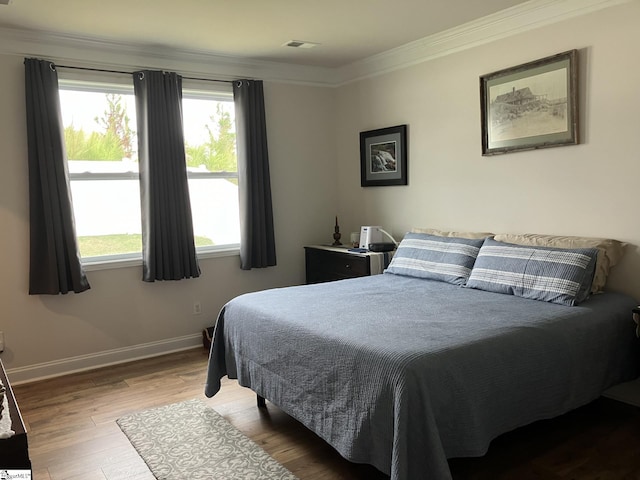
x: 297, y: 43
x: 5, y: 2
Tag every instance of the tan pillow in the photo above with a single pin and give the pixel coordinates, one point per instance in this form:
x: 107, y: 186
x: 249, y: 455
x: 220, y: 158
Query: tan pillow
x: 444, y: 233
x: 609, y: 251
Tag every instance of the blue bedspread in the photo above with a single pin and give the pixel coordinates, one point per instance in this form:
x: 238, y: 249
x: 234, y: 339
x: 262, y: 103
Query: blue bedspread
x: 403, y: 373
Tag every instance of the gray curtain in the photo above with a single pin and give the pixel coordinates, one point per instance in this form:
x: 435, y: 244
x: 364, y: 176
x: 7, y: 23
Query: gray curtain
x: 257, y: 237
x: 168, y: 247
x: 55, y: 265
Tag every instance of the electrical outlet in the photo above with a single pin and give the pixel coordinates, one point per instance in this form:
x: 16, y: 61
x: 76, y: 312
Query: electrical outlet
x: 197, y: 308
x: 1, y: 342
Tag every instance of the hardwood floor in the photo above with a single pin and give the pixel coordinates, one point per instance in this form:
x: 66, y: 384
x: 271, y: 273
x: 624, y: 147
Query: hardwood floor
x: 73, y: 434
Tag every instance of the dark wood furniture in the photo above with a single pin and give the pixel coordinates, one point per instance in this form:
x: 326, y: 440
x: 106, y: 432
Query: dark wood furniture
x: 14, y: 451
x: 326, y: 263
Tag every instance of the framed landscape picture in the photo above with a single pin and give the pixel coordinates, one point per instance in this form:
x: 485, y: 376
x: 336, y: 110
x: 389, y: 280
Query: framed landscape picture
x: 383, y: 156
x: 533, y: 105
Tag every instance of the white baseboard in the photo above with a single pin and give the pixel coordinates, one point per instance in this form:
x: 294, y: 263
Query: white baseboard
x: 628, y: 392
x: 82, y: 363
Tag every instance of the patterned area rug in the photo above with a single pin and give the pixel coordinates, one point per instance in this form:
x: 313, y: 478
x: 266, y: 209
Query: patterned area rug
x: 190, y: 440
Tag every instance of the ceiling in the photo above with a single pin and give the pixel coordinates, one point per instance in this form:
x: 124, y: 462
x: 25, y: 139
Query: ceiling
x: 347, y: 30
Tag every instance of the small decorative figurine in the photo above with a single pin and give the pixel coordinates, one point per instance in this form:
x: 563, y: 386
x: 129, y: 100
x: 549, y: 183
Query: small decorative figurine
x: 336, y: 235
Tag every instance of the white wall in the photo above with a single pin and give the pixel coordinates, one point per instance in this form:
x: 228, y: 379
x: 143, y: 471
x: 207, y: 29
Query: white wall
x: 590, y: 189
x: 122, y: 312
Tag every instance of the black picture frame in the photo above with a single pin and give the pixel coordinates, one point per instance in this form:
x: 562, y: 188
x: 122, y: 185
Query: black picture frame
x: 383, y: 157
x: 530, y: 106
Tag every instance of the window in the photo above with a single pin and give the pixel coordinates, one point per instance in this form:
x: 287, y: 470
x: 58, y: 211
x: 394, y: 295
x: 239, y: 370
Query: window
x: 100, y: 139
x: 212, y: 167
x: 100, y: 136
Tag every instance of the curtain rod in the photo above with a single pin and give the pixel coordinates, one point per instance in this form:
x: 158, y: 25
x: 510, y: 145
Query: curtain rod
x: 131, y: 73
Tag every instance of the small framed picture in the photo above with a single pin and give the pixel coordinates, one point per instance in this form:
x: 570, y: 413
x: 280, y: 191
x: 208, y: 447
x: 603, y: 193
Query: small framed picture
x: 533, y: 105
x: 383, y: 157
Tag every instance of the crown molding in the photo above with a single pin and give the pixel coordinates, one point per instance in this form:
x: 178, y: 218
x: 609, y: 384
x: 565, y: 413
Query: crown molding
x: 511, y: 21
x: 109, y: 54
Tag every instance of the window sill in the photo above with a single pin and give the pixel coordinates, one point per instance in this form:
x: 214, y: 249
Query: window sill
x: 95, y: 263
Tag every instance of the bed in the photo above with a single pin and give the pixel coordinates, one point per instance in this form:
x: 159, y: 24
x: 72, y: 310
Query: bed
x: 424, y: 362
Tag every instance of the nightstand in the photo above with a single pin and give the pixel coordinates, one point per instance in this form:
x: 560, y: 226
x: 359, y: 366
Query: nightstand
x: 628, y: 392
x: 326, y: 263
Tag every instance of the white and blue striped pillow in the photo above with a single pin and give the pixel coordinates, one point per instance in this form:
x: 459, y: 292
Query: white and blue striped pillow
x: 448, y: 259
x: 554, y: 275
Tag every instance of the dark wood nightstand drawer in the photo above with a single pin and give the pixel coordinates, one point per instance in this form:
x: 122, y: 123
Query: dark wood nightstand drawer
x: 325, y: 264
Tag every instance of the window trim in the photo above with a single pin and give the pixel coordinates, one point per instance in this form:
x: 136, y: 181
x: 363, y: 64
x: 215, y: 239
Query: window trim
x: 111, y: 262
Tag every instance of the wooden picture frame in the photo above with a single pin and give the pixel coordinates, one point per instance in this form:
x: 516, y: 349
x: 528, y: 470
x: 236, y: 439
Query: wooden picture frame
x: 383, y: 157
x: 533, y: 105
